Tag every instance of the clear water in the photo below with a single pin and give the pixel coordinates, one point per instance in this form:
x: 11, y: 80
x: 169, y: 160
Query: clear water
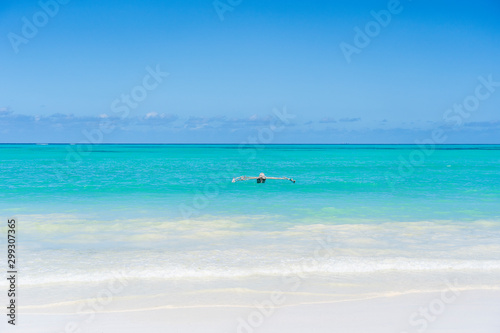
x: 171, y: 211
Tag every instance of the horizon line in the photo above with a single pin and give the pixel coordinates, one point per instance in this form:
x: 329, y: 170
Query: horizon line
x: 244, y: 144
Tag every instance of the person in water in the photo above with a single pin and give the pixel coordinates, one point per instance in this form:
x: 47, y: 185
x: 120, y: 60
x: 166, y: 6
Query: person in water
x: 261, y: 178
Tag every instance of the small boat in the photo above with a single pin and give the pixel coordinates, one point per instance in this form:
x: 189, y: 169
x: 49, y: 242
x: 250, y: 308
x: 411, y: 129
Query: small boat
x: 261, y: 178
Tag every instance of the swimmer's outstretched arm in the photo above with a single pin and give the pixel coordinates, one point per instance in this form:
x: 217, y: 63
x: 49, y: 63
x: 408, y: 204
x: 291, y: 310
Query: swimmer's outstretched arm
x: 243, y: 178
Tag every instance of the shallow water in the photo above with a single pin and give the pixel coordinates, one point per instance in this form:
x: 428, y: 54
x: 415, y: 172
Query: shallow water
x: 171, y: 211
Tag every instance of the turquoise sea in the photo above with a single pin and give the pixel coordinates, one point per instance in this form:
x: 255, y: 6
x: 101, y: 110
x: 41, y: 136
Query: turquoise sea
x: 172, y: 212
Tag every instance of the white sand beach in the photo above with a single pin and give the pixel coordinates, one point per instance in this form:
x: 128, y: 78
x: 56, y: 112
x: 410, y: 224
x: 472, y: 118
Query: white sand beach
x: 308, y: 304
x: 477, y: 311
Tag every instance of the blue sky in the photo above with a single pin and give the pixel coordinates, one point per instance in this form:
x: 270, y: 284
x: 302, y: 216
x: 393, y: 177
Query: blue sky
x: 227, y: 71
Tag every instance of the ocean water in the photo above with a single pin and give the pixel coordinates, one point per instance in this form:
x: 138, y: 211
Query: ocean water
x: 171, y: 212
